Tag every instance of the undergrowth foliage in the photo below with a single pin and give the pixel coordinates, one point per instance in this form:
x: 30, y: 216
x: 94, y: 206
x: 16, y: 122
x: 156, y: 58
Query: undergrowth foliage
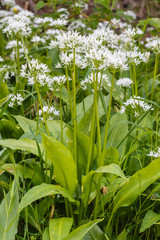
x: 79, y: 123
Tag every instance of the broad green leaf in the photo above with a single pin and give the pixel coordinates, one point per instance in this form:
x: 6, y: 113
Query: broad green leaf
x: 46, y: 234
x: 146, y: 123
x: 64, y: 94
x: 9, y: 129
x: 33, y: 172
x: 104, y: 3
x: 54, y: 127
x: 22, y: 144
x: 4, y: 89
x: 81, y: 231
x: 89, y: 181
x: 122, y: 235
x: 9, y: 214
x: 95, y: 233
x: 43, y: 190
x: 32, y: 218
x: 83, y: 145
x: 25, y: 123
x: 40, y: 5
x: 3, y: 101
x: 112, y: 168
x: 64, y: 166
x: 111, y: 156
x: 137, y: 184
x: 85, y: 110
x: 151, y: 21
x: 118, y: 130
x: 149, y: 219
x: 59, y: 228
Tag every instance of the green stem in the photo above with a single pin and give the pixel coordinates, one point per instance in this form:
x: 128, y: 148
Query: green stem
x: 39, y: 99
x: 74, y: 109
x: 38, y: 128
x: 61, y: 117
x: 95, y: 82
x: 91, y: 141
x: 108, y: 117
x: 69, y: 92
x: 18, y: 62
x: 154, y: 75
x: 135, y: 79
x: 25, y: 52
x: 146, y: 84
x: 131, y: 76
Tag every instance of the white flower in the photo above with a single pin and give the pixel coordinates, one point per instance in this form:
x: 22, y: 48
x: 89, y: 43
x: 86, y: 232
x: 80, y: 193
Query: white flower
x: 37, y: 39
x: 136, y: 103
x: 101, y: 78
x: 15, y: 99
x: 67, y: 59
x: 67, y: 40
x: 51, y: 112
x: 155, y: 154
x: 58, y: 22
x: 1, y: 59
x: 38, y: 72
x: 131, y: 14
x: 59, y: 80
x: 77, y: 24
x: 136, y: 56
x: 19, y: 24
x: 153, y: 44
x: 124, y: 82
x: 4, y: 13
x: 8, y: 2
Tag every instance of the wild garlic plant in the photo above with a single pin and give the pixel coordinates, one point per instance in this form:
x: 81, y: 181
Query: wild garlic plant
x: 88, y: 117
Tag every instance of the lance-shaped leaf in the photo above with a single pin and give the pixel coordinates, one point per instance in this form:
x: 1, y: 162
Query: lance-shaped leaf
x: 22, y: 144
x: 150, y: 219
x: 81, y: 231
x: 136, y: 185
x: 9, y: 214
x: 90, y: 181
x: 64, y: 166
x: 59, y: 228
x: 43, y: 190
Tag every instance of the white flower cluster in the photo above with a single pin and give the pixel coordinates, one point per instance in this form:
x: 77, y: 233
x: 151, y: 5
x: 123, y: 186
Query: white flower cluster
x: 136, y: 56
x: 136, y: 103
x: 124, y: 82
x: 5, y: 13
x: 10, y: 3
x: 67, y: 59
x: 130, y: 14
x: 59, y: 80
x: 67, y: 40
x: 101, y: 78
x: 63, y: 12
x: 50, y: 21
x: 15, y: 99
x: 118, y: 23
x: 37, y: 39
x: 153, y: 44
x: 155, y: 154
x: 1, y: 59
x: 105, y: 59
x: 4, y: 70
x: 51, y: 112
x: 36, y: 72
x: 13, y: 45
x: 19, y: 24
x: 76, y: 25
